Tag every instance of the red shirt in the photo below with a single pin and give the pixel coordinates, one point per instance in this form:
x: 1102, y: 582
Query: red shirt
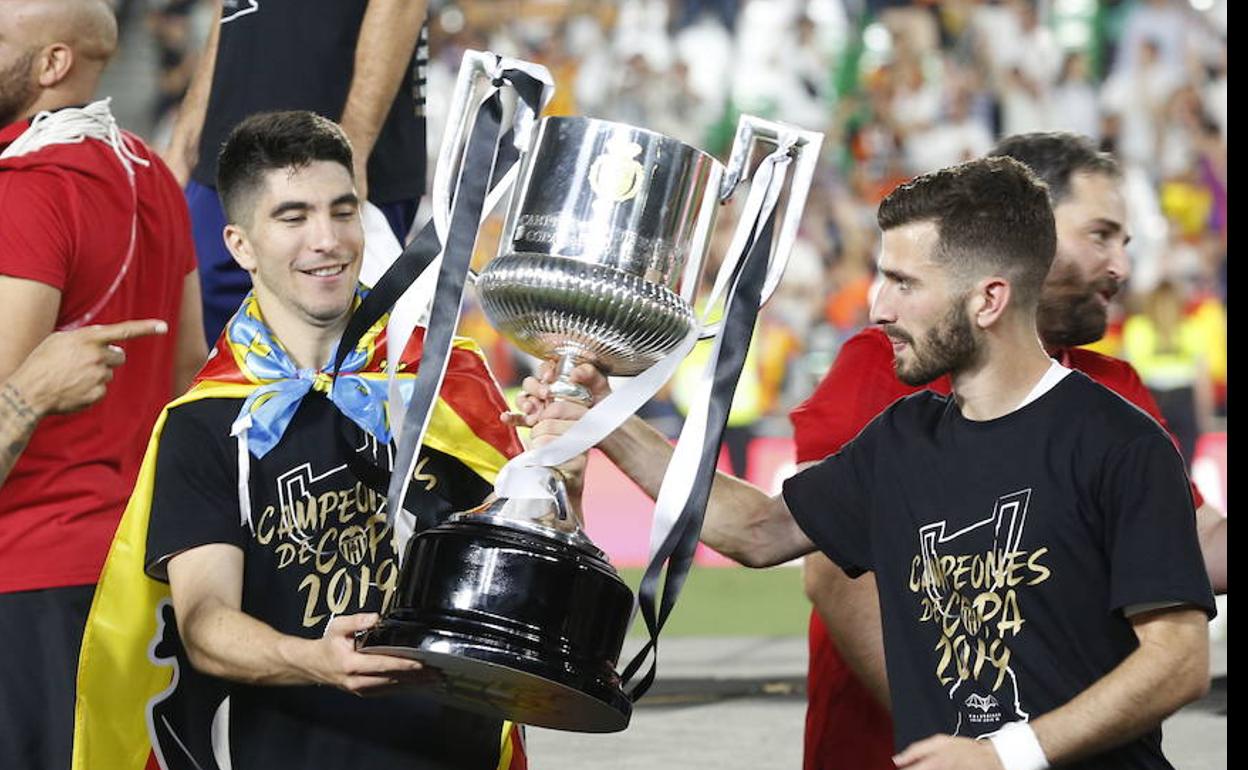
x: 65, y: 220
x: 845, y: 726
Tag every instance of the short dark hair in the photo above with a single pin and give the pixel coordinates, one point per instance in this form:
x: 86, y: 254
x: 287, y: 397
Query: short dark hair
x: 274, y: 140
x: 991, y: 214
x: 1057, y: 156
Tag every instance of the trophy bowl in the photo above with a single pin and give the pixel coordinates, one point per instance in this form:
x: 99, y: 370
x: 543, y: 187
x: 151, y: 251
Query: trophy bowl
x: 602, y: 246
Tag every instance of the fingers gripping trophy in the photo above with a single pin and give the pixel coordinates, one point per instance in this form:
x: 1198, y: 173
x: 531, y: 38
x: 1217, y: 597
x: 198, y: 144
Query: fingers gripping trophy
x: 519, y: 614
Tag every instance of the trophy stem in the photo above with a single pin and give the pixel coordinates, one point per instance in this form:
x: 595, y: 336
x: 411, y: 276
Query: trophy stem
x: 563, y: 387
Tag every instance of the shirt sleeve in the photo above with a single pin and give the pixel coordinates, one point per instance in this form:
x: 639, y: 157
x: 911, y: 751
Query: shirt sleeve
x: 195, y: 500
x: 831, y: 502
x: 859, y: 386
x: 1150, y: 528
x: 1127, y: 383
x: 36, y: 230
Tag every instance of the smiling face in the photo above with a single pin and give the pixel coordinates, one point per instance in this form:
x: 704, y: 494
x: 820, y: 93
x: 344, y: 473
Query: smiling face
x: 920, y: 308
x: 1091, y: 262
x: 302, y: 244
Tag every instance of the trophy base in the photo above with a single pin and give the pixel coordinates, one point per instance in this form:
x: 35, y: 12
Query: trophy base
x: 514, y: 622
x: 505, y: 684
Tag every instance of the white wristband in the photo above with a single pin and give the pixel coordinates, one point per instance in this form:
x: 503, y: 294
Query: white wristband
x: 1018, y: 748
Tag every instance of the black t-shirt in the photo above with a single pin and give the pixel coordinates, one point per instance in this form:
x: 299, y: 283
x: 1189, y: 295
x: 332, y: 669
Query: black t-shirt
x: 318, y: 546
x: 1007, y: 550
x: 300, y: 55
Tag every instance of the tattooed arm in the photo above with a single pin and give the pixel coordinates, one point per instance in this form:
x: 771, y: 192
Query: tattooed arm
x: 66, y: 372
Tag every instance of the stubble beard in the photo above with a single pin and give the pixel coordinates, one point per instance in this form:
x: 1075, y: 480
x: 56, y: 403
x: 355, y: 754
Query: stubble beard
x: 1070, y: 312
x: 949, y: 346
x: 17, y: 90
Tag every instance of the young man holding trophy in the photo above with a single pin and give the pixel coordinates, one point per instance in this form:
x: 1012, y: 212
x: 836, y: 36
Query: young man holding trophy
x: 251, y: 506
x: 1032, y: 536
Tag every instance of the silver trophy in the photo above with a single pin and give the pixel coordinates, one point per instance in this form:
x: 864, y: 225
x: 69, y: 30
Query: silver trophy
x: 603, y: 249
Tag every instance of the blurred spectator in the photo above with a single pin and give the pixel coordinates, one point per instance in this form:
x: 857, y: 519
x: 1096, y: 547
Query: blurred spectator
x: 1168, y: 349
x: 1074, y: 103
x: 1138, y: 95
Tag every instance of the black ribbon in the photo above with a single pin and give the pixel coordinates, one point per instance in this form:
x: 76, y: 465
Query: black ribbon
x: 677, y: 550
x: 484, y: 164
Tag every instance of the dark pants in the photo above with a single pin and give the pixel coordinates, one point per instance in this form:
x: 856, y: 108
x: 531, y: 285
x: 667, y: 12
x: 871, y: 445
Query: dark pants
x: 40, y: 633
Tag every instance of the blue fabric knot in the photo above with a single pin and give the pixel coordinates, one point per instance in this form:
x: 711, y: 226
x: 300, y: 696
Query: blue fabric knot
x: 283, y: 385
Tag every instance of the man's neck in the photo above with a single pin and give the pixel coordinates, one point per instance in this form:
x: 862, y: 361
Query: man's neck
x: 60, y: 98
x: 309, y: 346
x: 1013, y: 364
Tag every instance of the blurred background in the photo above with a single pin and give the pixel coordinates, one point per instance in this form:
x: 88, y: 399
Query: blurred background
x: 899, y: 88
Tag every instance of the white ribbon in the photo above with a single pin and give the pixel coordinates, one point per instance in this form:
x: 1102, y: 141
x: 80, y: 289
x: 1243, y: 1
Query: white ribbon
x: 678, y: 481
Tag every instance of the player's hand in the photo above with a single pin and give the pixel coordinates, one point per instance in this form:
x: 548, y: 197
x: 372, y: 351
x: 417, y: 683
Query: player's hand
x: 945, y: 752
x: 71, y: 370
x: 536, y: 397
x: 550, y: 417
x: 333, y: 660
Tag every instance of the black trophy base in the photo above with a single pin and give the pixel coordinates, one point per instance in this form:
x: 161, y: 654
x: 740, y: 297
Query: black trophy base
x: 511, y: 624
x: 504, y: 684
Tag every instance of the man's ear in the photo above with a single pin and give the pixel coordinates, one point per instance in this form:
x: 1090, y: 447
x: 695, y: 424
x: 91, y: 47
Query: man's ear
x: 240, y: 247
x: 53, y: 64
x: 989, y: 300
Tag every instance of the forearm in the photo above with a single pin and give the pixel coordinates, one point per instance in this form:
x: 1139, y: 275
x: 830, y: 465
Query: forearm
x: 18, y: 419
x: 742, y: 522
x: 850, y: 611
x: 184, y: 142
x: 1168, y: 670
x: 230, y: 644
x: 190, y: 350
x: 383, y: 52
x: 1211, y: 527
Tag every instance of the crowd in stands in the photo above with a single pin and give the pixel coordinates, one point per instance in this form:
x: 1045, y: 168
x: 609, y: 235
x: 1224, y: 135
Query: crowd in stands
x: 899, y: 89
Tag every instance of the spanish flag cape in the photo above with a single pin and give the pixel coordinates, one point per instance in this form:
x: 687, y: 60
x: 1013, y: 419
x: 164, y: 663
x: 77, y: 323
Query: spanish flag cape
x: 119, y: 677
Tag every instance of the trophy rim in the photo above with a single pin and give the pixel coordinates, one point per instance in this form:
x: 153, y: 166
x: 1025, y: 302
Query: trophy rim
x: 629, y: 127
x: 577, y: 539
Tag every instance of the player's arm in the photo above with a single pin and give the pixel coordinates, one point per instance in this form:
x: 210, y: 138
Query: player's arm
x: 183, y: 150
x: 1211, y: 528
x: 742, y: 522
x: 222, y: 640
x: 191, y: 351
x: 65, y: 372
x: 383, y: 52
x: 1169, y: 669
x: 31, y: 309
x: 850, y: 611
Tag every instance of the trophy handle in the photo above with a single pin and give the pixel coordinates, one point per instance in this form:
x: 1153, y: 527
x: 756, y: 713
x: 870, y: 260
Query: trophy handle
x: 804, y: 149
x: 479, y: 73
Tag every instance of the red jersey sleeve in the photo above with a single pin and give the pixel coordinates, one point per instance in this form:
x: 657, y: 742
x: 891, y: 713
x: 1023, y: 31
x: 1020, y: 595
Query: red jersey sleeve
x: 860, y: 384
x: 36, y: 226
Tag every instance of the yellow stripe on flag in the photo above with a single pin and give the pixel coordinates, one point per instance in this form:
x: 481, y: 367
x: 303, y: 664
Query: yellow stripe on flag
x: 116, y: 679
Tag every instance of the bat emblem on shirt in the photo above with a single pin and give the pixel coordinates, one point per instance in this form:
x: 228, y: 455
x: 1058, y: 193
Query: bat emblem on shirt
x: 984, y: 703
